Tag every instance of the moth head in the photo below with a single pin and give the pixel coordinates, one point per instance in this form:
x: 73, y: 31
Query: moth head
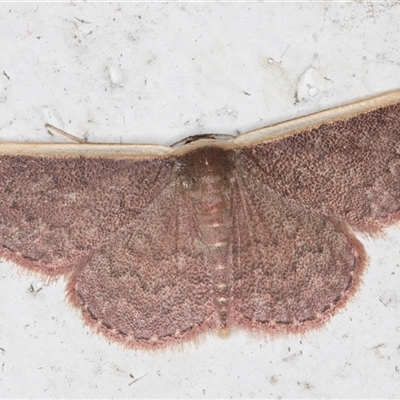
x: 195, y: 166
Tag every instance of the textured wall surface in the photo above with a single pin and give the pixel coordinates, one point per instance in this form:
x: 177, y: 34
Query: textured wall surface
x: 156, y: 73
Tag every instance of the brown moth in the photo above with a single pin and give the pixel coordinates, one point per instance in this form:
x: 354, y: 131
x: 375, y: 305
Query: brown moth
x: 160, y: 244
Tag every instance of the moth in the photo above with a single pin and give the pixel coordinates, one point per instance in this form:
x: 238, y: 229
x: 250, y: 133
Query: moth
x: 161, y: 244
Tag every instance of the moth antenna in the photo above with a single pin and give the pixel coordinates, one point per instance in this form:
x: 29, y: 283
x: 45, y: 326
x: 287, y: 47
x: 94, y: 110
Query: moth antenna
x: 212, y: 136
x: 52, y: 128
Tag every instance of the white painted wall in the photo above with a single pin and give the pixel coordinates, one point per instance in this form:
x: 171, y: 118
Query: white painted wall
x: 155, y: 73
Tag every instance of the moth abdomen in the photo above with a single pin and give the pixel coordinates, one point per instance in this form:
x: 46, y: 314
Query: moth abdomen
x: 210, y: 193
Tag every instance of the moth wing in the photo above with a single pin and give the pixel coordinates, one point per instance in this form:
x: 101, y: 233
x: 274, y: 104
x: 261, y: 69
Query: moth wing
x: 148, y: 287
x: 55, y: 210
x: 348, y: 168
x: 292, y: 269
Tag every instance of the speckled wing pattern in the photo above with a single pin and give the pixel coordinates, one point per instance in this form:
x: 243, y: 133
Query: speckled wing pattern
x: 148, y: 286
x: 291, y: 268
x: 124, y: 234
x: 54, y: 211
x: 348, y: 169
x: 158, y: 249
x: 297, y: 200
